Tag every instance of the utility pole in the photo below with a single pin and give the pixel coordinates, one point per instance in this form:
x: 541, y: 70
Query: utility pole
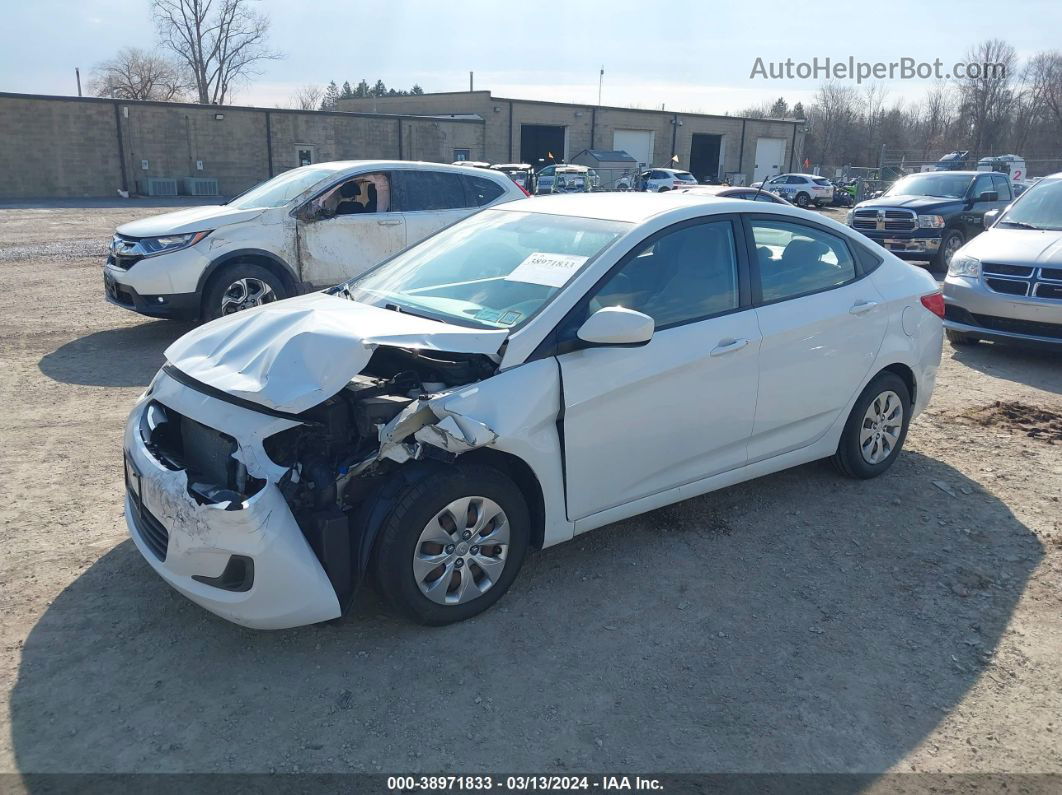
x: 470, y: 82
x: 600, y: 80
x: 77, y: 74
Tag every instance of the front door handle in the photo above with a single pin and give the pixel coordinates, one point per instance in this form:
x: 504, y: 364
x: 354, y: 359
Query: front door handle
x: 859, y: 307
x: 728, y: 346
x: 394, y: 222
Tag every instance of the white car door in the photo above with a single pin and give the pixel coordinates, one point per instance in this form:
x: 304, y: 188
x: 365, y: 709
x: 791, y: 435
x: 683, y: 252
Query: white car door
x: 640, y: 420
x: 822, y: 327
x: 348, y: 230
x: 433, y: 200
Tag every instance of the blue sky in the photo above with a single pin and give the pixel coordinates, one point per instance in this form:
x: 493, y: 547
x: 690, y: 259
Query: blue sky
x: 690, y: 55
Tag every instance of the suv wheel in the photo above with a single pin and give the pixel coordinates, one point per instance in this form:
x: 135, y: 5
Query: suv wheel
x: 241, y: 286
x: 803, y: 200
x: 453, y: 543
x: 876, y: 428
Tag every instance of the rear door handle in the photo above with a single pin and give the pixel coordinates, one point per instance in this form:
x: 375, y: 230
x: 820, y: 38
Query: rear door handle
x: 395, y: 222
x: 728, y: 346
x: 859, y: 307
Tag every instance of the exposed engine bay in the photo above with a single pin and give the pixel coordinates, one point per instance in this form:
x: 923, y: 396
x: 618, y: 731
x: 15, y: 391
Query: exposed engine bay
x: 341, y: 452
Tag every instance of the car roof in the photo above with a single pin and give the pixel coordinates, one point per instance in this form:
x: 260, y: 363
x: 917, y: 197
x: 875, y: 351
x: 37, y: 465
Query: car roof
x: 629, y: 207
x: 351, y: 165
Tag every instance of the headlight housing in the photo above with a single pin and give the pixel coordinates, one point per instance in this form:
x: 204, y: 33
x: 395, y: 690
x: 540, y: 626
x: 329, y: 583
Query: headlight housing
x: 964, y: 265
x: 159, y: 245
x: 931, y: 221
x: 848, y: 217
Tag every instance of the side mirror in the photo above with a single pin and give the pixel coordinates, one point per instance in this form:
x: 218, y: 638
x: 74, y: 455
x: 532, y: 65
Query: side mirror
x: 988, y: 196
x: 614, y: 325
x: 990, y: 218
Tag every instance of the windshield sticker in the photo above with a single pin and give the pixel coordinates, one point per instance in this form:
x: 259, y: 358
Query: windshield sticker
x: 510, y: 317
x: 488, y: 315
x: 550, y: 270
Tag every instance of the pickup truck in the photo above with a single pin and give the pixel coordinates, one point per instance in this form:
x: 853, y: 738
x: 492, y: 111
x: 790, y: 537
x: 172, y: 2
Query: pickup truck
x: 927, y: 217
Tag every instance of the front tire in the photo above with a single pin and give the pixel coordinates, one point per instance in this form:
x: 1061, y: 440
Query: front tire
x: 803, y: 200
x: 876, y: 429
x: 240, y: 286
x: 949, y: 244
x: 453, y: 544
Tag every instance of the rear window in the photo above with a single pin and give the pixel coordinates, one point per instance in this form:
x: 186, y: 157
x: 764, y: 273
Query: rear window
x: 821, y: 181
x: 428, y: 190
x: 685, y: 176
x: 481, y: 192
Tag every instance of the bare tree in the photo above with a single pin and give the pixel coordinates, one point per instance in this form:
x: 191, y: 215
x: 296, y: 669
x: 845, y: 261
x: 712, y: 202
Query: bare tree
x: 137, y: 74
x: 221, y: 41
x: 987, y: 100
x: 309, y: 97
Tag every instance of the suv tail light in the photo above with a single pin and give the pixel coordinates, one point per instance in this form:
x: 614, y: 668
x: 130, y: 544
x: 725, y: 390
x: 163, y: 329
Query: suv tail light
x: 934, y: 302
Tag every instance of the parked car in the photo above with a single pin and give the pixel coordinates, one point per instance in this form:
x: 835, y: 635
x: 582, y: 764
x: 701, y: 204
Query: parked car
x: 735, y: 192
x: 545, y: 178
x: 929, y: 216
x: 802, y: 190
x: 658, y: 180
x: 520, y: 173
x: 310, y: 227
x: 533, y: 372
x: 1006, y: 284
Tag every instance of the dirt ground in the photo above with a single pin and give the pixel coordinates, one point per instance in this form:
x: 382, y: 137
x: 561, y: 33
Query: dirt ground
x: 800, y: 622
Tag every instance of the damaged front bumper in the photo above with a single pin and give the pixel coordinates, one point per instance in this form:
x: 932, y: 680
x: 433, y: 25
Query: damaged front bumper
x: 245, y: 560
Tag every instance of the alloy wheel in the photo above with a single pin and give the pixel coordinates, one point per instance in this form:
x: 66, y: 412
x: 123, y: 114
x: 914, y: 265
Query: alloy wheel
x: 954, y: 243
x: 880, y: 432
x: 246, y: 293
x: 461, y: 552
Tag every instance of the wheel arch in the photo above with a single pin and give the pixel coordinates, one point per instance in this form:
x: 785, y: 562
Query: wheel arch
x: 525, y: 479
x: 906, y: 375
x: 266, y: 259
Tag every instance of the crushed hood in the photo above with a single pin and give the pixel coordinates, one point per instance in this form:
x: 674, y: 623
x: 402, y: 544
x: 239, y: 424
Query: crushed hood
x: 294, y: 354
x: 192, y: 219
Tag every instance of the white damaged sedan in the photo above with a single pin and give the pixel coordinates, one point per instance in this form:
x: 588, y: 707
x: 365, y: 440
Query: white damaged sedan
x: 533, y: 372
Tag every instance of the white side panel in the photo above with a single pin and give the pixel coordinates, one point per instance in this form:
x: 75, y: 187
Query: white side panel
x: 333, y: 250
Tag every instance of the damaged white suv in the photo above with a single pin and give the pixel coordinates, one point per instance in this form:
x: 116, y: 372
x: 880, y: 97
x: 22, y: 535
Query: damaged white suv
x: 533, y: 372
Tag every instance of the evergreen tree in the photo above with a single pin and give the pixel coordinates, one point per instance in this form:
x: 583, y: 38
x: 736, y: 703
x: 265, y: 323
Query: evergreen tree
x: 363, y: 89
x: 779, y: 109
x: 379, y: 89
x: 346, y: 93
x: 330, y: 97
x: 417, y: 90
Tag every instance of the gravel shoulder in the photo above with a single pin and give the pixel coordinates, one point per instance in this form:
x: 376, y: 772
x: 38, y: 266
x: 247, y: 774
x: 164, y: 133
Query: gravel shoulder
x: 798, y: 623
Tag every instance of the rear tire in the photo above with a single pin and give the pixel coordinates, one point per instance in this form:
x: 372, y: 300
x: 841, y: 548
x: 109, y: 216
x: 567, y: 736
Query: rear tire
x: 803, y: 200
x: 874, y: 433
x: 960, y: 338
x: 239, y: 286
x: 423, y: 511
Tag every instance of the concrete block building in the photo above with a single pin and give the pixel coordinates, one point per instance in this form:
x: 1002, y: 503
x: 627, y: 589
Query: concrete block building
x: 530, y: 131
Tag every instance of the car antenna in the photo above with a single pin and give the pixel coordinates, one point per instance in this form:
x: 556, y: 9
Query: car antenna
x: 759, y: 189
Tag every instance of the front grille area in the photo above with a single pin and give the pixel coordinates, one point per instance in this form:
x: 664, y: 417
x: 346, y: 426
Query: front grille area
x: 1008, y: 286
x: 151, y: 532
x: 1053, y: 330
x: 1023, y: 280
x: 119, y: 256
x: 893, y: 220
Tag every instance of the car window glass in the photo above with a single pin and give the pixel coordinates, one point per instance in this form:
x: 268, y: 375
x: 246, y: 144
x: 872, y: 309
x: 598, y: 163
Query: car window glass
x: 763, y: 197
x: 687, y: 274
x: 982, y: 184
x: 795, y: 259
x: 796, y: 180
x: 481, y: 192
x: 365, y: 193
x: 429, y: 190
x: 1002, y: 186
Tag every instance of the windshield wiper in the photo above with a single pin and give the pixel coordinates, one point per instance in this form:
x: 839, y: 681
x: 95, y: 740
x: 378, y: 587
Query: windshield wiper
x: 1021, y: 225
x: 403, y: 311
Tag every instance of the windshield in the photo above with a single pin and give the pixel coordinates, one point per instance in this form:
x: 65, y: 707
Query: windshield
x: 948, y: 186
x: 281, y: 189
x: 495, y: 269
x: 1040, y: 207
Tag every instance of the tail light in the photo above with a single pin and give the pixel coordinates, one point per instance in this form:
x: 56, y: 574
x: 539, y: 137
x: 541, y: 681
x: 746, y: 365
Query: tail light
x: 934, y: 302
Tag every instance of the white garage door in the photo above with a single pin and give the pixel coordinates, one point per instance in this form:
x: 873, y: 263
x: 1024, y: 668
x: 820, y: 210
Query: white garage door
x: 770, y: 152
x: 637, y: 143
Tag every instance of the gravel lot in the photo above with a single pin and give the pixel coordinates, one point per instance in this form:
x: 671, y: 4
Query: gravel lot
x: 800, y: 622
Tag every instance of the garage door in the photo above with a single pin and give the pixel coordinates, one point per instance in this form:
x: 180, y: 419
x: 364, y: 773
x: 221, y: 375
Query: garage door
x: 637, y: 143
x: 770, y: 152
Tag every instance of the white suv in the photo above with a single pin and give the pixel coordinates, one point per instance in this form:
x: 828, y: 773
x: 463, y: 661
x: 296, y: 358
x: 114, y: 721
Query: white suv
x: 310, y: 227
x: 800, y: 189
